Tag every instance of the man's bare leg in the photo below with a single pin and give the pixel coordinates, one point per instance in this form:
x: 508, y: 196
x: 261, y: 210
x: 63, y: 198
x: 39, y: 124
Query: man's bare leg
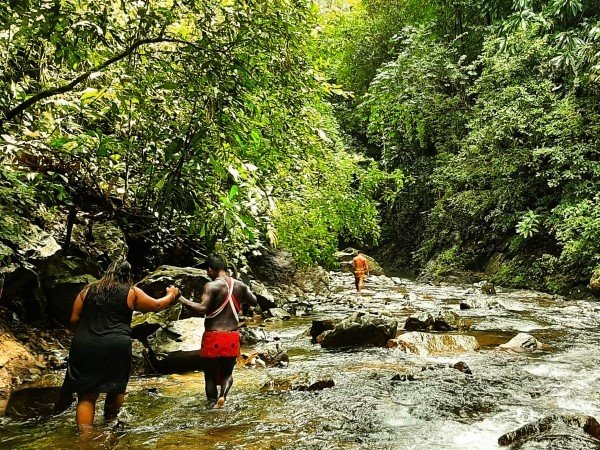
x: 227, y: 365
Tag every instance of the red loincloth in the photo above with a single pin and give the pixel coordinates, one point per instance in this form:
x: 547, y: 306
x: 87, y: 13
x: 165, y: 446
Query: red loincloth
x: 216, y: 344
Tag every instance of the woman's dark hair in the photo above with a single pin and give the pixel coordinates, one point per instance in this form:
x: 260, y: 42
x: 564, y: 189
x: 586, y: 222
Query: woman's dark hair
x: 216, y: 262
x: 117, y: 275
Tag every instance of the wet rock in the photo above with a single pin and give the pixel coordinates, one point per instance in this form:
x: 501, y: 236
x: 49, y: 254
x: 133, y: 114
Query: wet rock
x: 485, y: 287
x: 403, y: 377
x: 420, y: 321
x: 277, y: 313
x: 274, y: 355
x: 345, y: 259
x: 441, y: 321
x: 462, y: 367
x: 319, y: 326
x: 479, y: 302
x: 298, y: 382
x: 595, y: 282
x: 175, y: 348
x: 300, y: 308
x: 427, y: 343
x: 22, y: 291
x: 32, y: 402
x: 252, y: 335
x: 265, y: 298
x: 587, y: 424
x: 144, y: 324
x: 523, y: 342
x: 359, y: 330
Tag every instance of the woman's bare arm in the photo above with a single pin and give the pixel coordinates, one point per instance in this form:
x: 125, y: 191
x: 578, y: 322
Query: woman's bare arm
x: 138, y: 300
x: 77, y: 308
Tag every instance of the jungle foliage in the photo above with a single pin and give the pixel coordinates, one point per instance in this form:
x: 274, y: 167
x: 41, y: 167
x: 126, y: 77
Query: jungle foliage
x: 205, y: 120
x: 491, y: 108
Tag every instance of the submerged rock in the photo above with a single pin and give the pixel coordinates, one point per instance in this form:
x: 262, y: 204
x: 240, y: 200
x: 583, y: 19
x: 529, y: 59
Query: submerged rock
x: 523, y: 342
x: 273, y: 355
x: 359, y: 330
x: 298, y: 382
x: 277, y: 313
x: 587, y: 424
x: 428, y: 343
x: 32, y: 402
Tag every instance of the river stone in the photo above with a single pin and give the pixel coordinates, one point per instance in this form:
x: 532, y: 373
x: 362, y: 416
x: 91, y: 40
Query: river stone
x: 61, y: 293
x: 252, y: 335
x: 265, y: 299
x: 32, y: 402
x: 277, y: 313
x: 427, y: 343
x: 321, y: 325
x: 359, y: 330
x: 175, y: 348
x: 478, y: 302
x: 345, y: 259
x: 298, y: 382
x: 443, y: 320
x: 595, y: 282
x: 485, y: 287
x: 273, y: 354
x: 523, y: 342
x: 22, y: 291
x: 587, y: 424
x: 144, y: 324
x: 36, y: 244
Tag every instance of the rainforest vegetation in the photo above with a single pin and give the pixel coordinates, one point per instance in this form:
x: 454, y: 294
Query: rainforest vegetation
x: 448, y: 135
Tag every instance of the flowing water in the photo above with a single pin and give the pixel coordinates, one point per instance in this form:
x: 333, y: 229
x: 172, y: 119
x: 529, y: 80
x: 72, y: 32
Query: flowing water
x: 439, y: 408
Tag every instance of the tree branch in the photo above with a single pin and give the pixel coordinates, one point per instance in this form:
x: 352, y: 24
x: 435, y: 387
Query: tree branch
x: 84, y: 76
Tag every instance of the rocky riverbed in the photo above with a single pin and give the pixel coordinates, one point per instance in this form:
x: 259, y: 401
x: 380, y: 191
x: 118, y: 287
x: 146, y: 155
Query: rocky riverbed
x: 514, y: 368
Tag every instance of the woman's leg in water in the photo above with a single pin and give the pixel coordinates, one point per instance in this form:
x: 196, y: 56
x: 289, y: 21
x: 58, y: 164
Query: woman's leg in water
x: 112, y: 405
x: 210, y: 378
x: 86, y: 407
x: 226, y: 366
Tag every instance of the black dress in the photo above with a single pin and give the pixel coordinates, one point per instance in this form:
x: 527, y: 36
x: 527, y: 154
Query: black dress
x: 100, y: 354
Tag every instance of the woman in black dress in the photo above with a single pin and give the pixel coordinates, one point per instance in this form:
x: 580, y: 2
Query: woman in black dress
x: 100, y: 354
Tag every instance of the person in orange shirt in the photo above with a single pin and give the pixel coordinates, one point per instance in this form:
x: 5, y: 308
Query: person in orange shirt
x: 361, y: 269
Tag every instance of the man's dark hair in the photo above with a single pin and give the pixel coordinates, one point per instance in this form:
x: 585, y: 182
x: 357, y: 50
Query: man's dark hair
x: 216, y: 262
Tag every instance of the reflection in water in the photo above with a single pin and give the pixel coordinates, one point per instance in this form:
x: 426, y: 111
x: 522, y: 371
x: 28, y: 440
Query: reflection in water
x: 435, y: 408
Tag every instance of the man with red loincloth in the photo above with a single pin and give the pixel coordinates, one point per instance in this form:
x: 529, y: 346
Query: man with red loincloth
x: 221, y: 305
x: 360, y: 267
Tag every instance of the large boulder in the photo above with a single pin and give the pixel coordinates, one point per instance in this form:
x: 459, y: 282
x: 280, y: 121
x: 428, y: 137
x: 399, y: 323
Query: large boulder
x: 109, y: 240
x: 24, y: 264
x: 265, y: 298
x: 345, y: 257
x: 189, y: 280
x: 428, y: 343
x: 319, y: 326
x: 298, y: 382
x: 595, y: 282
x: 523, y: 342
x: 359, y: 330
x: 176, y: 347
x: 553, y: 426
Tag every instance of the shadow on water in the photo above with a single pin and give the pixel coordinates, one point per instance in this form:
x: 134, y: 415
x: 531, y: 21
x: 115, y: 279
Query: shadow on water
x: 434, y: 406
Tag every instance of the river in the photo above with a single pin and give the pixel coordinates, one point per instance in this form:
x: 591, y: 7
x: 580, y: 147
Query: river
x: 439, y: 408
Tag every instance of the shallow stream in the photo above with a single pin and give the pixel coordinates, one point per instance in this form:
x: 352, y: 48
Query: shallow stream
x: 439, y: 408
